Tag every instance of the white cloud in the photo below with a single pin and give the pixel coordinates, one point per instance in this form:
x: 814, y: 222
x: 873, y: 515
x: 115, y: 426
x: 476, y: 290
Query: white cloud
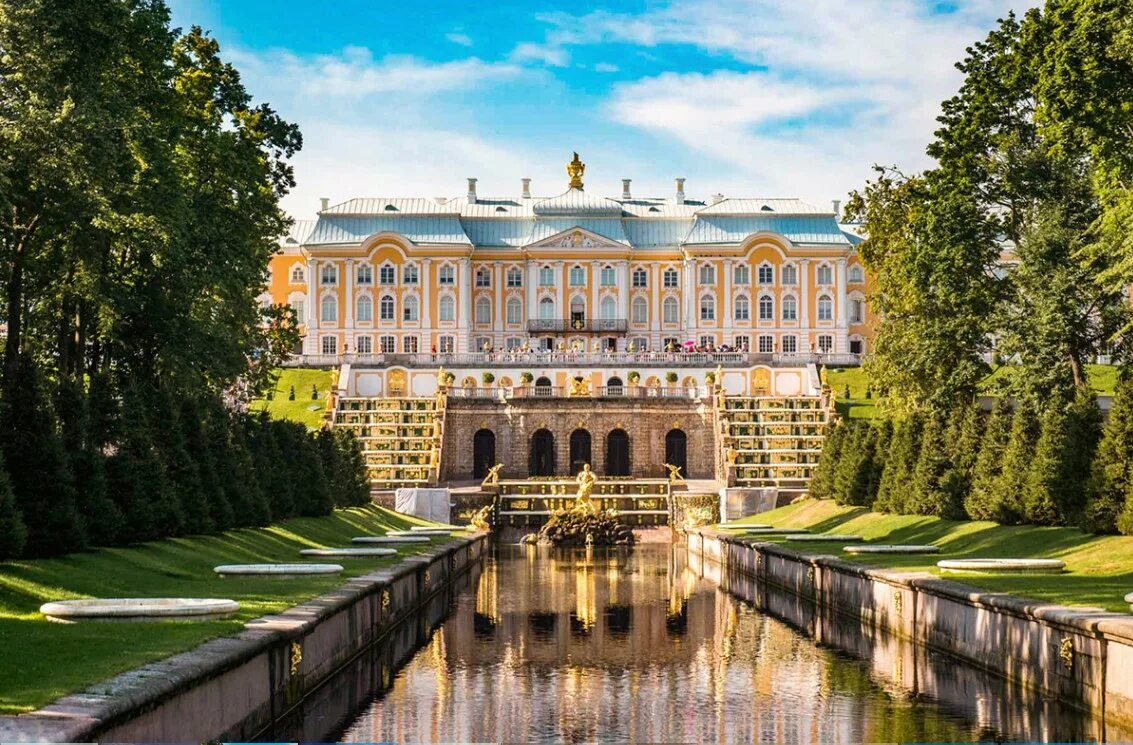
x: 463, y: 40
x: 605, y: 67
x: 550, y: 55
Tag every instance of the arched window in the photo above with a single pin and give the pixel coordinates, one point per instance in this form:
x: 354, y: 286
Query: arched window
x: 670, y: 310
x: 825, y: 308
x: 789, y: 275
x: 790, y: 310
x: 546, y: 276
x: 639, y: 310
x: 385, y: 308
x: 577, y: 276
x: 766, y: 308
x: 364, y: 308
x: 824, y: 275
x: 607, y: 309
x: 766, y: 274
x: 707, y: 274
x: 298, y: 276
x: 514, y: 311
x: 515, y: 277
x: 670, y: 279
x: 640, y: 277
x: 447, y: 308
x: 857, y: 311
x: 483, y: 310
x: 741, y: 274
x: 409, y: 274
x: 708, y: 308
x: 409, y: 308
x: 446, y: 275
x: 856, y: 275
x: 483, y: 277
x: 328, y: 308
x: 387, y: 274
x: 609, y: 276
x: 364, y: 275
x: 546, y: 309
x: 743, y: 309
x: 328, y: 274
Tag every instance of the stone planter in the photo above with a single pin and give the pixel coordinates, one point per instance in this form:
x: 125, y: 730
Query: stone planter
x: 1012, y: 566
x: 139, y: 609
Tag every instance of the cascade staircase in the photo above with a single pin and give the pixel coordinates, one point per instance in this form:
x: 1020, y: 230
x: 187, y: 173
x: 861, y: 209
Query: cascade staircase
x: 773, y: 441
x: 401, y: 437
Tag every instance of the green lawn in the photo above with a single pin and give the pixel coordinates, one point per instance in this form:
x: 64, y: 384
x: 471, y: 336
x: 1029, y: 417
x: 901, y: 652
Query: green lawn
x: 303, y: 409
x: 1099, y: 569
x: 42, y: 660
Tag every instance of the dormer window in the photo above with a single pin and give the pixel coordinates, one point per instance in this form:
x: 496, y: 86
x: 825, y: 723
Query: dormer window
x: 766, y: 208
x: 391, y: 208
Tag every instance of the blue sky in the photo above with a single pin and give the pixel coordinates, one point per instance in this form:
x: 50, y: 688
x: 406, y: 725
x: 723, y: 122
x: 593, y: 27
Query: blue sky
x: 769, y: 98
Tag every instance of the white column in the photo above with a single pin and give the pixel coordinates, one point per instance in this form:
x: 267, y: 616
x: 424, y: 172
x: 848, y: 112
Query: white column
x: 727, y: 284
x: 464, y: 319
x: 531, y: 289
x: 348, y: 281
x: 689, y: 290
x: 654, y: 281
x: 595, y: 281
x: 842, y: 338
x: 563, y: 307
x: 498, y: 292
x: 425, y: 278
x: 804, y: 306
x: 622, y: 270
x: 311, y: 308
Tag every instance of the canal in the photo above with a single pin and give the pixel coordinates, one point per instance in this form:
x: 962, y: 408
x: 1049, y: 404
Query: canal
x: 634, y: 645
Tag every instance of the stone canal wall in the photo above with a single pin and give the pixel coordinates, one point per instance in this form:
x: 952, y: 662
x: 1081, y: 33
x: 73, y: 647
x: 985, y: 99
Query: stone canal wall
x: 251, y: 685
x: 1079, y: 656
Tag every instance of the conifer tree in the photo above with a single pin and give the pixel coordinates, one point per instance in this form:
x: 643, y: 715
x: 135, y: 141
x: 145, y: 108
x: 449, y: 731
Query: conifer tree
x: 963, y: 440
x: 244, y: 489
x: 1111, y: 476
x: 927, y: 494
x: 980, y: 502
x: 271, y: 466
x: 355, y: 479
x: 822, y: 483
x: 199, y: 447
x: 13, y: 534
x: 181, y: 471
x: 1006, y: 504
x: 900, y: 465
x: 855, y: 467
x: 882, y: 441
x: 1054, y: 493
x: 82, y: 436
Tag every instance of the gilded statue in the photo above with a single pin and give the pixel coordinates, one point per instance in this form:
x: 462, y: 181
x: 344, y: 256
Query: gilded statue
x: 442, y: 380
x: 575, y: 169
x: 674, y: 473
x: 579, y: 386
x: 493, y: 476
x: 586, y: 480
x: 731, y: 454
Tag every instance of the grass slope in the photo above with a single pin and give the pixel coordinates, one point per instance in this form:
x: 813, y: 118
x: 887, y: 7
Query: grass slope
x: 1099, y: 569
x: 43, y: 660
x: 303, y: 409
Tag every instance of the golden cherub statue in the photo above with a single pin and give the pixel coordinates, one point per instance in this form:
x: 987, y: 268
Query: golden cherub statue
x: 493, y: 476
x: 575, y: 169
x: 579, y: 386
x: 585, y: 480
x: 731, y: 454
x: 674, y: 473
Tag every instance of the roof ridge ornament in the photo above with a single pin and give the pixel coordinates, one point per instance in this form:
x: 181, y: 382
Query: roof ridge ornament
x: 575, y: 169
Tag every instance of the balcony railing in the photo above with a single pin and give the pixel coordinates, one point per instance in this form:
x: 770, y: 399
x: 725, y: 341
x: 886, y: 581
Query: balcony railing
x: 516, y: 358
x: 556, y: 391
x: 580, y: 325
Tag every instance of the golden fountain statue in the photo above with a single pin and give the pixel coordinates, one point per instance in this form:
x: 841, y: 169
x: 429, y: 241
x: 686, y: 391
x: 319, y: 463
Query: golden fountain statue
x: 674, y: 474
x: 493, y: 476
x: 579, y: 386
x: 575, y: 169
x: 586, y: 480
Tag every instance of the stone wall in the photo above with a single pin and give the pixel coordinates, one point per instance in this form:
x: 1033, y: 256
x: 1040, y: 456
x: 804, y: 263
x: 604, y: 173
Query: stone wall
x: 513, y: 423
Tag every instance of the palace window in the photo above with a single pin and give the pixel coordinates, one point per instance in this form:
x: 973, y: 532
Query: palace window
x: 515, y: 277
x: 856, y: 311
x: 385, y: 308
x: 328, y: 274
x: 707, y: 274
x: 298, y: 306
x: 639, y: 310
x: 514, y: 311
x: 766, y: 344
x: 387, y: 274
x: 298, y: 276
x: 670, y: 342
x: 766, y: 274
x: 330, y: 345
x: 825, y: 343
x: 856, y: 275
x: 708, y: 308
x: 742, y: 343
x: 328, y: 308
x: 447, y: 308
x: 446, y: 345
x: 609, y: 276
x: 607, y: 309
x: 364, y: 344
x: 669, y: 279
x: 409, y: 345
x: 825, y: 308
x: 364, y: 274
x: 743, y: 309
x: 639, y: 343
x: 640, y: 278
x: 483, y: 310
x: 512, y: 343
x: 483, y: 277
x: 824, y: 275
x: 546, y: 276
x: 446, y: 275
x: 409, y: 274
x: 364, y: 308
x: 577, y: 276
x: 790, y: 344
x: 766, y: 308
x: 670, y: 310
x: 741, y: 274
x: 789, y: 275
x: 790, y: 309
x: 409, y: 308
x: 707, y: 341
x: 387, y: 345
x: 546, y: 309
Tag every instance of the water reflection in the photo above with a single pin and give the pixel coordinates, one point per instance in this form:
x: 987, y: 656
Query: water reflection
x: 636, y: 646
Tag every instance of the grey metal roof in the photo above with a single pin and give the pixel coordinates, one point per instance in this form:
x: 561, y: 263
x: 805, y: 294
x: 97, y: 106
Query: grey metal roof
x: 298, y: 232
x: 607, y: 227
x: 495, y: 207
x: 578, y: 202
x: 763, y: 206
x: 394, y: 205
x: 659, y: 207
x: 654, y: 232
x: 495, y: 232
x: 419, y: 229
x: 796, y: 228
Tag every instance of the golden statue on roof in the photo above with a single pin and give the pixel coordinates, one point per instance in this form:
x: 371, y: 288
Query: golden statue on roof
x: 575, y: 169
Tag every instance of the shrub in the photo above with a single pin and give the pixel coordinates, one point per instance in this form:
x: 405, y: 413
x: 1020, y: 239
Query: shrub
x: 634, y: 376
x: 488, y: 378
x: 526, y: 378
x: 671, y: 377
x: 1109, y: 505
x: 314, y: 392
x: 291, y: 394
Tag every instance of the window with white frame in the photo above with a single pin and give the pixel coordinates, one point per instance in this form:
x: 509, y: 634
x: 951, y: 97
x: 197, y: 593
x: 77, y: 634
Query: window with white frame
x: 707, y: 274
x: 298, y: 276
x: 742, y: 309
x: 546, y: 309
x: 385, y: 308
x: 446, y: 344
x: 670, y: 342
x: 364, y: 344
x: 298, y: 305
x: 483, y: 277
x: 512, y: 343
x: 670, y: 310
x: 607, y: 309
x: 364, y: 274
x: 409, y: 274
x: 825, y: 343
x: 742, y: 342
x: 577, y: 276
x: 387, y: 274
x: 515, y: 277
x: 790, y: 344
x: 857, y: 310
x: 546, y: 276
x: 609, y: 277
x: 483, y: 311
x: 790, y: 308
x: 766, y: 344
x: 856, y: 274
x: 387, y: 344
x: 328, y: 274
x: 789, y: 275
x: 639, y: 310
x: 825, y: 308
x: 447, y: 308
x: 707, y: 341
x: 514, y: 311
x: 328, y: 308
x: 707, y: 308
x: 824, y: 275
x: 741, y: 274
x: 481, y: 343
x: 409, y: 345
x: 446, y: 275
x: 766, y: 274
x: 640, y: 343
x: 330, y: 345
x: 364, y: 308
x: 410, y: 309
x: 669, y: 279
x: 640, y: 278
x: 766, y: 308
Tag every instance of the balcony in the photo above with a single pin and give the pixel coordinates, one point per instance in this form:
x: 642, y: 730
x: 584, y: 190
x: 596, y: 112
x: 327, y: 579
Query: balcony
x: 577, y: 325
x: 542, y: 358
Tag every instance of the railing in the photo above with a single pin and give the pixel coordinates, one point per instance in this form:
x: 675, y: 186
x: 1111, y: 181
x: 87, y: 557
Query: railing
x: 477, y: 392
x: 516, y: 358
x: 538, y: 391
x: 582, y: 325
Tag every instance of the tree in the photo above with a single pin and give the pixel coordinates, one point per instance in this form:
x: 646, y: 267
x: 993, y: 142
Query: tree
x: 13, y: 533
x: 962, y: 441
x: 928, y: 494
x: 1055, y: 491
x: 1111, y: 476
x: 822, y: 483
x: 980, y: 502
x: 1006, y: 505
x: 900, y: 466
x: 855, y: 467
x: 882, y: 440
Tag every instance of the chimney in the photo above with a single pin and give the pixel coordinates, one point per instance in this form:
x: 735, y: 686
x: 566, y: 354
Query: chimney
x: 526, y: 188
x: 472, y: 191
x: 625, y: 189
x: 837, y: 209
x: 324, y: 202
x: 680, y: 191
x: 717, y: 198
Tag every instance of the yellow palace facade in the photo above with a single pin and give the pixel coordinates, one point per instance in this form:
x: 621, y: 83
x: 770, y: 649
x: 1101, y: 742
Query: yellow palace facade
x: 777, y: 278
